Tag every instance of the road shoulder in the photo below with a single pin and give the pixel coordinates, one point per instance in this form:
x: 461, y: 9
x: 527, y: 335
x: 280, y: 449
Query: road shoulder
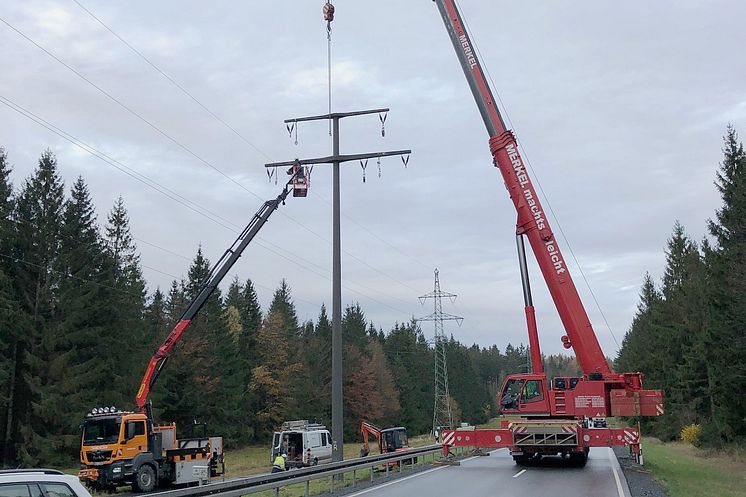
x: 640, y: 481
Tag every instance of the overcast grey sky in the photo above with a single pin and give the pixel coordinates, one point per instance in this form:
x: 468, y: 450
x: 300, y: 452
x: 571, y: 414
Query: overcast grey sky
x: 620, y: 106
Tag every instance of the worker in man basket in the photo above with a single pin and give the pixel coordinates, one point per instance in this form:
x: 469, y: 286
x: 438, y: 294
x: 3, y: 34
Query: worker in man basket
x: 280, y: 463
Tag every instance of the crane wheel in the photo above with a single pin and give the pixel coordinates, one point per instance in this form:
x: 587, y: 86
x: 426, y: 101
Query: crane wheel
x: 144, y: 479
x: 579, y: 459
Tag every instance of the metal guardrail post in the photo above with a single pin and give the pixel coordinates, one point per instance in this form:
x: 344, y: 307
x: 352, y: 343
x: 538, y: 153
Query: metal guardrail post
x: 308, y: 483
x: 354, y: 475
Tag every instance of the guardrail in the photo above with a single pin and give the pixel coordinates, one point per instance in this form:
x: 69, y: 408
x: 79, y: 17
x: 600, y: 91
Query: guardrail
x: 332, y: 471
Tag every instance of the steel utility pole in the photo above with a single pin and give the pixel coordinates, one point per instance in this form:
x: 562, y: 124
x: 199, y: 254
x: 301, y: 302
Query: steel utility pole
x: 335, y: 160
x: 442, y: 417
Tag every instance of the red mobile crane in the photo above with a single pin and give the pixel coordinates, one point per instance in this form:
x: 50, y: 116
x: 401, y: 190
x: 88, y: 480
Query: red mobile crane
x: 127, y: 448
x: 555, y: 416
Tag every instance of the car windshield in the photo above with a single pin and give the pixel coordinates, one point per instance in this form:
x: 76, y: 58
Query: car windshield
x: 101, y: 431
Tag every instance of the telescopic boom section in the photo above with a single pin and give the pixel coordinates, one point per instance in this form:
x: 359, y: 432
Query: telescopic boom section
x: 532, y: 221
x: 217, y: 273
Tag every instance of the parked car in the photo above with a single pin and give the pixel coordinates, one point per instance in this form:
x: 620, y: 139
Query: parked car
x: 304, y: 443
x: 40, y: 483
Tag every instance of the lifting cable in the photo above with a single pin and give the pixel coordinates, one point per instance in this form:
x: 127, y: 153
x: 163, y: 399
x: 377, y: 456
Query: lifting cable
x: 329, y: 17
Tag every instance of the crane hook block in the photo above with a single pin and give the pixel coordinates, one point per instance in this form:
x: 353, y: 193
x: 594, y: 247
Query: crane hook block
x: 566, y: 342
x: 328, y: 12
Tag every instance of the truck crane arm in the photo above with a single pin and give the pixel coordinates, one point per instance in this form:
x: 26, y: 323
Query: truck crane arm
x: 208, y: 286
x: 532, y: 221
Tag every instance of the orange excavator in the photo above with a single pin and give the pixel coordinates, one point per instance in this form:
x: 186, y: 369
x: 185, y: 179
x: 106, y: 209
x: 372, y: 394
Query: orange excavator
x: 389, y: 439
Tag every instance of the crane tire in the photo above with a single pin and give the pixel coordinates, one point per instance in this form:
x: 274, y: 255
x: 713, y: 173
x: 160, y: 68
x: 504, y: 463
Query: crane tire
x: 144, y: 479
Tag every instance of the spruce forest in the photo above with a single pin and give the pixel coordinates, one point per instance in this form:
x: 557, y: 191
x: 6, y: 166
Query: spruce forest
x: 78, y: 324
x: 689, y: 333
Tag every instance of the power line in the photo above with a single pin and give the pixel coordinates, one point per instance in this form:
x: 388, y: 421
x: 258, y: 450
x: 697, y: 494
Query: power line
x: 256, y: 148
x: 63, y: 273
x: 172, y: 80
x: 185, y: 148
x: 129, y: 109
x: 143, y: 179
x: 117, y: 164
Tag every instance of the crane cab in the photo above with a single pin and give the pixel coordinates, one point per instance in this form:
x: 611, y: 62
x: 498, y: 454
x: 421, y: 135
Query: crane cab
x: 301, y: 179
x: 525, y: 394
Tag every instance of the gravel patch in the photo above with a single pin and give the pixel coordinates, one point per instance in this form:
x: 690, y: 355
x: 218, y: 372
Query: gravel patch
x: 640, y: 480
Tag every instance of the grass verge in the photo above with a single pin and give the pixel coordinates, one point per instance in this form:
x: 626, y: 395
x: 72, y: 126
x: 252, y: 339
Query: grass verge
x: 686, y: 471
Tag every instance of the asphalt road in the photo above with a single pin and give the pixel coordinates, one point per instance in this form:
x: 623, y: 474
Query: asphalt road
x: 497, y: 476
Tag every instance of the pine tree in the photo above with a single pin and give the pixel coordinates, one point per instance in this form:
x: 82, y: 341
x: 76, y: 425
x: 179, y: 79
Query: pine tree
x: 82, y: 343
x: 127, y: 301
x: 10, y: 315
x: 37, y: 244
x: 640, y: 342
x: 727, y: 342
x: 282, y: 304
x: 354, y: 326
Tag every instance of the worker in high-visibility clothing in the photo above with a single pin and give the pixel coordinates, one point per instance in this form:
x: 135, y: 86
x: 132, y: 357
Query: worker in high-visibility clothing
x: 280, y: 463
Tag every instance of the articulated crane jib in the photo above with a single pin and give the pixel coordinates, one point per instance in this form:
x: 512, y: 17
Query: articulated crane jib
x: 553, y: 417
x: 127, y: 448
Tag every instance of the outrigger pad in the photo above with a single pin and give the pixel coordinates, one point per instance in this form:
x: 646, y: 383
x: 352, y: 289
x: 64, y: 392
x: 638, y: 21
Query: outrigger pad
x: 478, y: 452
x: 447, y: 461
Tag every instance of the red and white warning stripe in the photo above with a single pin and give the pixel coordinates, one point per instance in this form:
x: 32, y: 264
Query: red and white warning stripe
x: 659, y: 409
x: 570, y: 429
x: 449, y: 438
x: 631, y: 437
x: 520, y: 429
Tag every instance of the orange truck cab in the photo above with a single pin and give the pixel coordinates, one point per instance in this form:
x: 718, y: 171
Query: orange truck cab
x: 124, y: 448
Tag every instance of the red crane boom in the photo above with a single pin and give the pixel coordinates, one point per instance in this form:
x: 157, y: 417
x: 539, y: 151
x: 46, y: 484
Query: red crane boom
x: 566, y: 405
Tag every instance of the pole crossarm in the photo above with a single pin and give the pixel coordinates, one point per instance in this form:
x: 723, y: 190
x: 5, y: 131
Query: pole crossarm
x: 331, y: 159
x: 444, y: 316
x: 335, y: 115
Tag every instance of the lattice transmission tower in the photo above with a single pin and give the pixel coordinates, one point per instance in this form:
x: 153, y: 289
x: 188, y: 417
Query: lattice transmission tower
x: 442, y: 417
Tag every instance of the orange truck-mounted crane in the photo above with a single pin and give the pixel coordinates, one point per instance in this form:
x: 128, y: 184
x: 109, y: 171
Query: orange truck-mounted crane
x: 127, y: 448
x: 554, y: 416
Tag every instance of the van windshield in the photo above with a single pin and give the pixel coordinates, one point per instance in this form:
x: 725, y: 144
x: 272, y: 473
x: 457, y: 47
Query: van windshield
x: 101, y: 431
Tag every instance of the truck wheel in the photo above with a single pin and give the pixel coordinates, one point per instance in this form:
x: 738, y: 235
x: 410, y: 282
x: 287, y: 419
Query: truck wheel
x: 144, y: 479
x: 579, y: 459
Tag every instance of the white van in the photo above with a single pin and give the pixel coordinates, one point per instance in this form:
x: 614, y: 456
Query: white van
x: 306, y: 444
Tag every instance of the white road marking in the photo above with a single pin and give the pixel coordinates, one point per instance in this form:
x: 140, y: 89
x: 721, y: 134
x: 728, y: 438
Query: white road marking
x: 619, y: 487
x: 376, y: 487
x: 521, y: 472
